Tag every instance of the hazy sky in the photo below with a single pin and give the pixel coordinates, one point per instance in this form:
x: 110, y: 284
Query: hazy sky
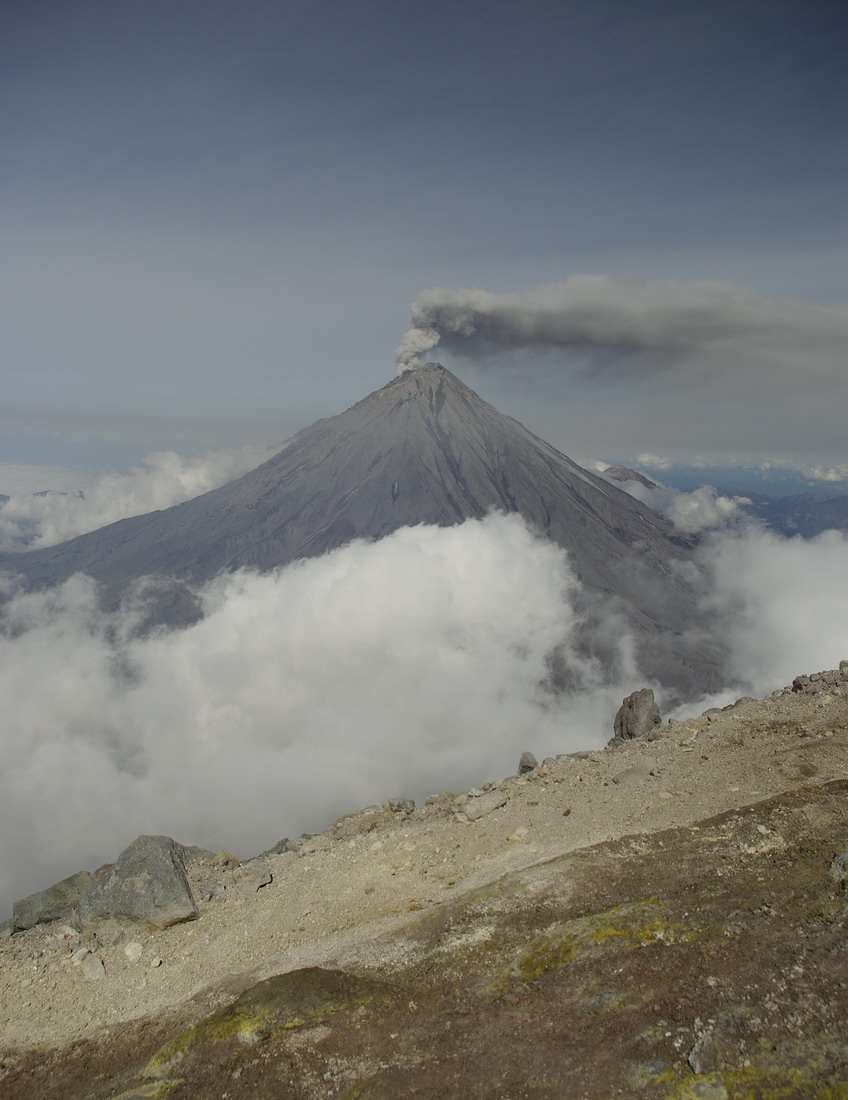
x: 217, y: 215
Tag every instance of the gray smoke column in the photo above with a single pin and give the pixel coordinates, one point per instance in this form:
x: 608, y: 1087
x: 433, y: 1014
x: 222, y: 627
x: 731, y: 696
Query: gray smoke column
x: 611, y: 321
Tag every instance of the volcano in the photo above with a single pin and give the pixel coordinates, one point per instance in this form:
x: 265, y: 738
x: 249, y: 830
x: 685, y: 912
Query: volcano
x: 424, y: 449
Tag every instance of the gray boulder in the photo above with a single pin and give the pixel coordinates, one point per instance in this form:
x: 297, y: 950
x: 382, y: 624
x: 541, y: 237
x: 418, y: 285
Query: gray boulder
x: 637, y: 716
x: 250, y: 876
x: 56, y: 903
x: 527, y: 763
x: 147, y: 883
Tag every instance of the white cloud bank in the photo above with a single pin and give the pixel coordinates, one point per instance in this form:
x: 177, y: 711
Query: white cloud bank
x: 691, y: 511
x: 401, y: 667
x: 782, y: 602
x: 164, y: 479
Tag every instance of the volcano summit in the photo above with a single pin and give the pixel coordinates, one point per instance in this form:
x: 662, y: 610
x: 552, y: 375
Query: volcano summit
x: 424, y: 449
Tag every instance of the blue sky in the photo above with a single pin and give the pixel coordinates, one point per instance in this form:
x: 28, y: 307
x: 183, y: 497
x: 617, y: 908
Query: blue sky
x: 217, y: 215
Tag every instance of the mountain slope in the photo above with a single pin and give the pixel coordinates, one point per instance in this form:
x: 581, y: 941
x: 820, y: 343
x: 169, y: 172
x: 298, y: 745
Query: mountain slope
x: 423, y: 449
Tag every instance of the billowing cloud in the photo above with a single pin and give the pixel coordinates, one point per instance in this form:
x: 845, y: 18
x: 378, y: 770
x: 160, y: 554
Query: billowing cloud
x: 403, y: 667
x: 29, y: 521
x: 407, y: 666
x: 691, y: 511
x: 606, y: 325
x: 782, y: 603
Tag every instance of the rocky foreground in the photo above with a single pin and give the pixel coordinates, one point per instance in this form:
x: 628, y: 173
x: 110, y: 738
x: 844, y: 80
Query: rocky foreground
x: 665, y: 918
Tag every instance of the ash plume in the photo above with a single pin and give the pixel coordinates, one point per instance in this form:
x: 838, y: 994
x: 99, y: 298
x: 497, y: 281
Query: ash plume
x: 606, y: 323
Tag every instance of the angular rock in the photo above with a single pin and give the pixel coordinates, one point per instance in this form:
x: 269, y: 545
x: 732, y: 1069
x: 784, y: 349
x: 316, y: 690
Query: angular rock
x: 705, y: 1055
x: 146, y: 883
x: 527, y: 763
x: 277, y: 849
x: 56, y: 903
x: 839, y: 868
x: 92, y: 968
x: 401, y: 805
x: 249, y: 877
x: 637, y: 716
x: 475, y: 808
x: 637, y: 772
x: 298, y: 844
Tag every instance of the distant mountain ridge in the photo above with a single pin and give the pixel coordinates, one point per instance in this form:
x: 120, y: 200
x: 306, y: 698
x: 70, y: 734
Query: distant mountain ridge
x: 422, y: 449
x: 805, y: 514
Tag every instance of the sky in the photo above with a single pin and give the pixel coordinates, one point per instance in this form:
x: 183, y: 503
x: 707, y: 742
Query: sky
x: 219, y: 219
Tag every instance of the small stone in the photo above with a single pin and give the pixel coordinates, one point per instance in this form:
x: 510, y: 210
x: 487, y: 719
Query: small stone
x: 133, y: 950
x: 79, y: 955
x: 527, y: 763
x: 637, y: 772
x: 839, y: 868
x: 475, y: 808
x: 92, y: 968
x: 278, y: 849
x: 705, y: 1055
x: 709, y: 1090
x: 439, y: 799
x: 213, y: 891
x: 155, y: 962
x: 251, y: 876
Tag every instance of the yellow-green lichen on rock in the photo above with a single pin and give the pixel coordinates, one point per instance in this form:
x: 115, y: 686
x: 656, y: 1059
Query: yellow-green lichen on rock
x: 273, y: 1005
x: 150, y: 1090
x: 635, y: 925
x: 759, y: 1082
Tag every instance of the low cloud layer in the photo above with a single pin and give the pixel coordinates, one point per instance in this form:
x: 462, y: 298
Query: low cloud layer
x: 615, y: 325
x: 411, y: 665
x: 29, y: 521
x: 782, y: 602
x: 693, y: 511
x: 403, y: 667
